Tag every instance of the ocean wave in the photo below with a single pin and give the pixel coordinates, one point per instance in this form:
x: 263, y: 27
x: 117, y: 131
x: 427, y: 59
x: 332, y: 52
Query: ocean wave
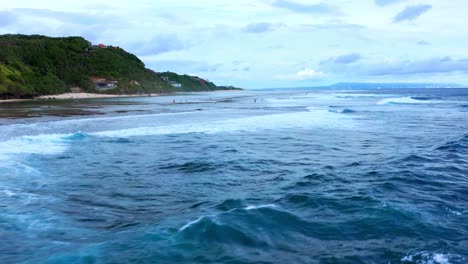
x: 313, y: 117
x: 40, y: 144
x: 255, y: 207
x: 454, y: 145
x: 191, y: 167
x: 57, y: 143
x: 342, y: 111
x: 453, y: 212
x: 48, y: 144
x: 114, y: 118
x: 426, y: 257
x: 76, y: 136
x: 13, y: 168
x: 9, y: 193
x: 407, y: 100
x: 284, y: 102
x: 273, y: 223
x: 227, y: 204
x: 69, y: 126
x: 44, y: 144
x: 415, y: 158
x: 353, y: 96
x: 298, y: 100
x: 425, y: 98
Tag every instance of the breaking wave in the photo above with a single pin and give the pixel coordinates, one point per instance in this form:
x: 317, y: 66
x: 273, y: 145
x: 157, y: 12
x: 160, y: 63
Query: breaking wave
x: 319, y: 181
x: 432, y: 258
x: 407, y: 100
x: 341, y: 110
x: 39, y: 145
x: 311, y: 118
x: 48, y: 144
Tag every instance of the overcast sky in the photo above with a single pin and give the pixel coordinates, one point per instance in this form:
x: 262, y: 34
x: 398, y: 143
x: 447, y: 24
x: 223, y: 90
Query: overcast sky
x: 268, y: 43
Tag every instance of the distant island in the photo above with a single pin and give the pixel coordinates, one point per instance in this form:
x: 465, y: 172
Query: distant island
x: 34, y: 65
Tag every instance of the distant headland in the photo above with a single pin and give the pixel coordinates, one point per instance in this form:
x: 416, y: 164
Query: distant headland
x: 35, y: 65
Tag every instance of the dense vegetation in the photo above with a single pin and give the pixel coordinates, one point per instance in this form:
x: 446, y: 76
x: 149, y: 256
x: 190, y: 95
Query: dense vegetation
x: 38, y: 65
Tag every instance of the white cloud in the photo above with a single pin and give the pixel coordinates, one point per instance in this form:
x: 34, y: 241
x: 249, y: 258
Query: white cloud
x: 305, y: 74
x: 308, y: 74
x: 294, y: 42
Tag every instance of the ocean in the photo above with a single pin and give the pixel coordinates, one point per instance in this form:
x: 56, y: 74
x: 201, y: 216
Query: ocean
x: 274, y: 176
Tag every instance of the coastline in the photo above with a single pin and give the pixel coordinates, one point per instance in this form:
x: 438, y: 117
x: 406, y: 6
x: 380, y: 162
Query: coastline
x: 69, y: 96
x: 78, y: 96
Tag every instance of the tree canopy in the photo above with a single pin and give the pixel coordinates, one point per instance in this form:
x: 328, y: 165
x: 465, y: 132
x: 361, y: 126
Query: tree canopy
x: 32, y: 65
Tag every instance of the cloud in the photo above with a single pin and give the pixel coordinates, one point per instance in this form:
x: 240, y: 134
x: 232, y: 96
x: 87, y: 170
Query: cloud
x: 411, y: 13
x: 344, y: 59
x: 320, y: 8
x: 423, y: 43
x: 334, y: 25
x: 240, y: 66
x: 160, y: 44
x: 66, y: 17
x: 58, y: 24
x: 171, y: 32
x: 259, y: 27
x: 173, y: 19
x: 6, y: 18
x: 387, y: 2
x: 305, y: 74
x: 243, y: 69
x: 276, y: 47
x: 308, y: 74
x: 182, y: 66
x: 428, y: 66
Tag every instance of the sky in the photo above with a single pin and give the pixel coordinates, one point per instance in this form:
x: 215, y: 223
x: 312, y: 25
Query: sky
x: 267, y: 43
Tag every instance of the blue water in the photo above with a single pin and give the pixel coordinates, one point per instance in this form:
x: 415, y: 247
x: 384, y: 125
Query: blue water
x: 296, y: 176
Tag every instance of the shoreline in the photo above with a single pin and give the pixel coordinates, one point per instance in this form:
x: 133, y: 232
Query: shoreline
x: 79, y: 96
x: 75, y: 96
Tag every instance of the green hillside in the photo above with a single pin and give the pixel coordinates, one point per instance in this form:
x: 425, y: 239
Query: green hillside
x: 38, y: 65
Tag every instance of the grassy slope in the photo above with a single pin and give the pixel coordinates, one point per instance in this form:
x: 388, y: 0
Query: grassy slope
x: 38, y: 65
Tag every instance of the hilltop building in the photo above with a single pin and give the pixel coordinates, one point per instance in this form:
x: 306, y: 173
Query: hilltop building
x: 175, y: 85
x: 172, y: 83
x: 102, y: 84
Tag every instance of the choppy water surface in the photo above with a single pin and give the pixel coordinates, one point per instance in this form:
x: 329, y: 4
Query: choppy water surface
x: 295, y: 177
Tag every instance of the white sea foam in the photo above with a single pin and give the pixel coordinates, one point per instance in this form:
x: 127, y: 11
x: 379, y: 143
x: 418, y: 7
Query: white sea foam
x: 214, y: 216
x: 440, y: 258
x: 313, y: 98
x: 9, y: 193
x: 406, y: 100
x: 431, y: 258
x: 355, y: 95
x: 282, y: 102
x: 255, y: 207
x: 314, y: 117
x: 40, y: 144
x: 72, y: 125
x: 191, y: 223
x: 300, y: 100
x: 453, y: 212
x: 47, y: 144
x: 110, y: 118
